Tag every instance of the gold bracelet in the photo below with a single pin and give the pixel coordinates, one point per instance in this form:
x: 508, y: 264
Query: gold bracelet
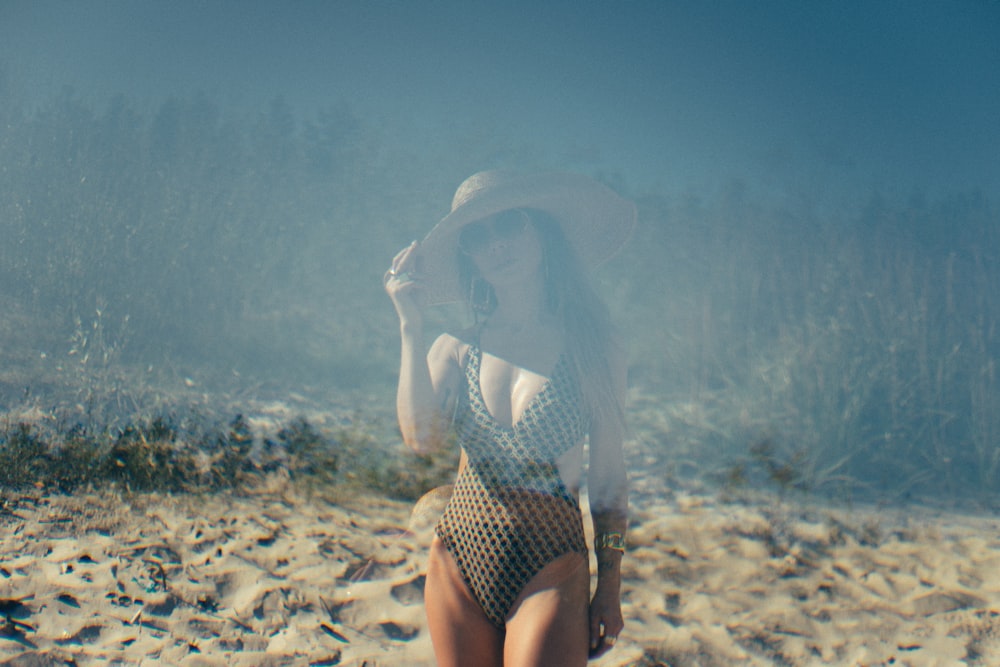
x: 615, y: 541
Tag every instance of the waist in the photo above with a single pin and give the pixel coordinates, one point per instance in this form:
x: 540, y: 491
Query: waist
x: 502, y: 474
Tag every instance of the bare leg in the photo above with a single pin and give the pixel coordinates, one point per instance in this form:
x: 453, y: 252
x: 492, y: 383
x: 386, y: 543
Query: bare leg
x: 549, y: 621
x: 460, y: 631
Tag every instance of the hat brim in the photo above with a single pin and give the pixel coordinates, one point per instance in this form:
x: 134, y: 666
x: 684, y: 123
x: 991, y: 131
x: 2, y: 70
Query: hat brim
x: 595, y: 220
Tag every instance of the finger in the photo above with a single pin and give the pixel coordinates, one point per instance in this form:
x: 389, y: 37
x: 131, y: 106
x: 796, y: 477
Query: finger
x: 403, y: 267
x: 406, y: 291
x: 601, y: 649
x: 408, y: 260
x: 402, y: 279
x: 595, y: 634
x: 396, y: 261
x: 392, y: 274
x: 403, y: 255
x: 605, y: 644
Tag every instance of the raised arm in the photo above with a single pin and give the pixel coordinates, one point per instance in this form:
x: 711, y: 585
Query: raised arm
x: 425, y: 397
x: 608, y: 493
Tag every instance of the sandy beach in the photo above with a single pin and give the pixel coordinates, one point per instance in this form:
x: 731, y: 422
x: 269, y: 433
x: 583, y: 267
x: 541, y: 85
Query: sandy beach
x: 274, y: 578
x: 227, y: 229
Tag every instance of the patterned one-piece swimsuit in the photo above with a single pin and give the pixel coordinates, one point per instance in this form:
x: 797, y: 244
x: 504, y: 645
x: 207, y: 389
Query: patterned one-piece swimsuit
x: 510, y: 513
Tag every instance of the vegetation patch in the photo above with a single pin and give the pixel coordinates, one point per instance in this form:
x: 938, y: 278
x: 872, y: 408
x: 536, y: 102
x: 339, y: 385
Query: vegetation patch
x: 164, y: 454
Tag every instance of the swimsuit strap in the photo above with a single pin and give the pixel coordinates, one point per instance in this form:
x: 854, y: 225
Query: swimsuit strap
x: 473, y: 375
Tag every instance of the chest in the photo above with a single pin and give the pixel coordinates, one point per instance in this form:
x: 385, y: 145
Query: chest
x: 508, y: 391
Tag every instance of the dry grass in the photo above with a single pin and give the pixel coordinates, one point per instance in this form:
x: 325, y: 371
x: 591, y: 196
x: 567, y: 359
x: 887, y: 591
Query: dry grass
x: 165, y: 454
x: 835, y: 351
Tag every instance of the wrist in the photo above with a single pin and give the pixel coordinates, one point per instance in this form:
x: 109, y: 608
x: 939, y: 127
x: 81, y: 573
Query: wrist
x: 411, y: 331
x: 609, y: 563
x: 610, y: 541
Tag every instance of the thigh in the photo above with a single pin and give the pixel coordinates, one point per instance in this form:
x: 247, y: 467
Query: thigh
x: 460, y: 631
x: 549, y: 623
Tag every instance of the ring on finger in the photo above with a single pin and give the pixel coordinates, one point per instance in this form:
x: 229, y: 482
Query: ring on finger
x: 401, y: 276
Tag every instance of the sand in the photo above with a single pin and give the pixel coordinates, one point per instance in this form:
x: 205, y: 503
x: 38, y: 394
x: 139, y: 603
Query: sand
x: 280, y: 579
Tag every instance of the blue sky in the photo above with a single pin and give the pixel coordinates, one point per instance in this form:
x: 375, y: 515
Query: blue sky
x: 840, y: 98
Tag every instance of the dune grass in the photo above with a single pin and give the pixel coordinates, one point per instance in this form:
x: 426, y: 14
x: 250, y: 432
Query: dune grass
x: 830, y: 350
x: 165, y: 454
x: 849, y: 355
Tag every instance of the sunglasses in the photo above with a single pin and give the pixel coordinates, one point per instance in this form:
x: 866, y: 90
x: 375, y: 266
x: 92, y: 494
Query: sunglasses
x: 476, y: 238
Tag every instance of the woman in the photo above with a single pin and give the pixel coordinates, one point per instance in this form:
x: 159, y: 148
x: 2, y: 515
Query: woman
x: 508, y: 580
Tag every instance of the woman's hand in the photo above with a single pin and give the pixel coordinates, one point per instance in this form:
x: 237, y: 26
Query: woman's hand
x: 403, y: 285
x: 606, y: 621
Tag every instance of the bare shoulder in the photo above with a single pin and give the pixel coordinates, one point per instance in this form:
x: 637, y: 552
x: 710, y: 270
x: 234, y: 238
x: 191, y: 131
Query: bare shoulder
x: 448, y: 343
x: 445, y: 360
x: 448, y: 349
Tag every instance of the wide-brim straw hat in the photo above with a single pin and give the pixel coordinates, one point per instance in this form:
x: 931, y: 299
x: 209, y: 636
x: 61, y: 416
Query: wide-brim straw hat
x: 595, y: 220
